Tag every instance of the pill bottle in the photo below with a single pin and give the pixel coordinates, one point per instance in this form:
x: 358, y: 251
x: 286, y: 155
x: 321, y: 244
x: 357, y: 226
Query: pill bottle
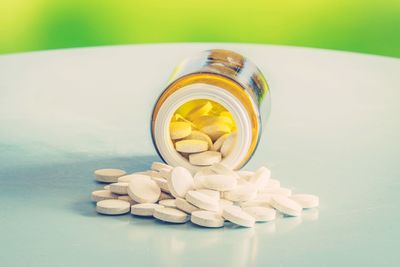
x: 235, y: 89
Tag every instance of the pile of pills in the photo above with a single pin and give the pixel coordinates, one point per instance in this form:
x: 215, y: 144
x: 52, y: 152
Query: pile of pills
x: 211, y: 197
x: 205, y: 134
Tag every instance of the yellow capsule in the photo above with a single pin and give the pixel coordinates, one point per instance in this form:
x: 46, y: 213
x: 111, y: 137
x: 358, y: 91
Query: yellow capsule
x: 188, y: 106
x: 207, y: 120
x: 197, y: 135
x: 180, y: 129
x: 214, y: 131
x: 199, y: 111
x: 179, y: 117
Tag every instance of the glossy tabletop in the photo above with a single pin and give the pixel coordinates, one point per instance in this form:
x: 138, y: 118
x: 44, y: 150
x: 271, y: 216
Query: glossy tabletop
x: 334, y: 131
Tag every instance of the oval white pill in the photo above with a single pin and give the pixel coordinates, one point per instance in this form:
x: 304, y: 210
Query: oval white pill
x: 237, y: 216
x: 157, y: 166
x: 218, y: 144
x: 205, y: 158
x: 286, y: 205
x: 99, y: 195
x: 228, y: 145
x: 185, y: 206
x: 144, y: 190
x: 119, y: 188
x: 306, y: 201
x: 108, y: 175
x: 207, y: 219
x: 219, y: 182
x: 112, y: 207
x: 261, y: 177
x: 179, y: 129
x: 180, y: 182
x: 191, y: 146
x: 170, y: 215
x: 202, y: 201
x: 144, y: 209
x: 261, y: 214
x: 169, y: 203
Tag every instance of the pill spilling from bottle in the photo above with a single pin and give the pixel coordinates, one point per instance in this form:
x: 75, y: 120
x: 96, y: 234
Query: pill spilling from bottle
x: 203, y: 132
x: 212, y: 197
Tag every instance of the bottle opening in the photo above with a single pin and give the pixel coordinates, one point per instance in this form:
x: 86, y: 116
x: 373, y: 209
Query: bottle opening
x: 203, y: 132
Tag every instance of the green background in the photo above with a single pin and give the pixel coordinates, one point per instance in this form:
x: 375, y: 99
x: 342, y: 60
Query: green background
x: 363, y: 26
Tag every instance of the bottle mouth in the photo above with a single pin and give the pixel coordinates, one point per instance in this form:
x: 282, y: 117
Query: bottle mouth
x: 161, y: 123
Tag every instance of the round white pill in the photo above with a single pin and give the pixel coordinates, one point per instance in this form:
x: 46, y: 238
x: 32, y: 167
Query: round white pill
x: 243, y: 192
x: 185, y: 206
x: 219, y: 182
x: 261, y: 177
x: 220, y: 168
x: 180, y: 182
x: 222, y: 204
x: 205, y: 158
x: 157, y: 166
x: 170, y: 215
x: 144, y: 209
x: 119, y: 188
x: 261, y: 214
x: 306, y: 201
x: 108, y: 175
x: 99, y: 195
x: 144, y: 190
x: 198, y: 177
x: 286, y: 205
x: 162, y: 183
x: 237, y: 216
x: 212, y: 193
x: 169, y: 203
x: 202, y: 201
x: 207, y: 219
x: 191, y: 146
x: 228, y: 145
x: 129, y: 177
x: 112, y: 207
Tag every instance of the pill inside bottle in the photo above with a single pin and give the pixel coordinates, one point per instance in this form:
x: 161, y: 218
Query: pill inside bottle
x: 211, y: 111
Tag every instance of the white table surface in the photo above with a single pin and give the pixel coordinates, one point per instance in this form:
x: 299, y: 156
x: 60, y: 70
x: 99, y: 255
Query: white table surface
x: 334, y: 131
